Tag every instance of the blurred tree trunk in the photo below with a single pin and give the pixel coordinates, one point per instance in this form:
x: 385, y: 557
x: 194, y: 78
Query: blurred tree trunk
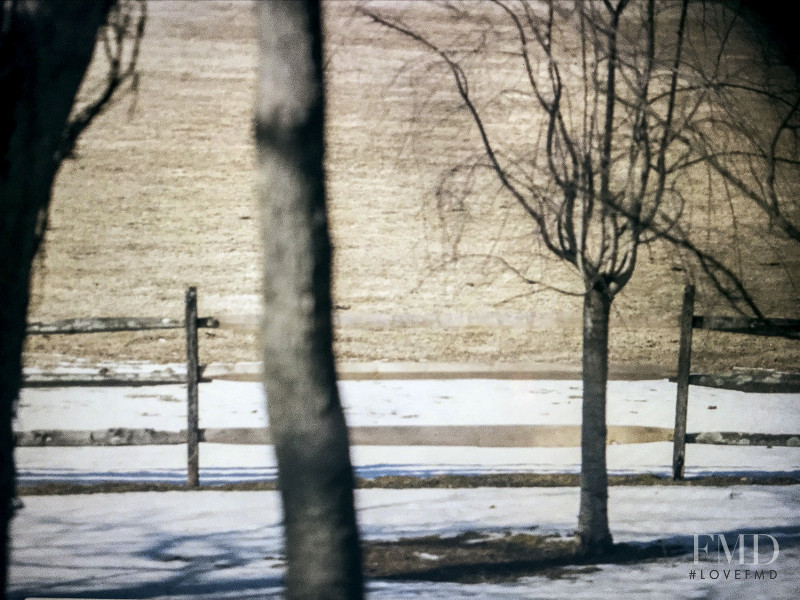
x: 45, y: 49
x: 305, y: 414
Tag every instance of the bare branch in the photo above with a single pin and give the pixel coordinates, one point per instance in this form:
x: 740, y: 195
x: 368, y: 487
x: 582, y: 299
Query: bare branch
x: 125, y: 26
x: 460, y: 79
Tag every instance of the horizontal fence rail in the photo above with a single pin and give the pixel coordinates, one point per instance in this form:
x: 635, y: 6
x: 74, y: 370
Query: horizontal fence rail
x: 788, y: 328
x: 735, y: 438
x: 765, y: 382
x: 484, y: 436
x: 109, y: 377
x: 491, y: 436
x: 113, y: 324
x: 748, y: 380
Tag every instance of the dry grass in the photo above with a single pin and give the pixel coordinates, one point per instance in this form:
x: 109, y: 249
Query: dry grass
x: 160, y: 197
x: 468, y: 557
x: 474, y: 557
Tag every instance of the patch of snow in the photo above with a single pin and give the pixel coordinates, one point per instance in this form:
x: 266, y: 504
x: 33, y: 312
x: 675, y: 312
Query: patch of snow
x: 406, y: 402
x: 427, y: 556
x: 219, y: 545
x: 417, y: 402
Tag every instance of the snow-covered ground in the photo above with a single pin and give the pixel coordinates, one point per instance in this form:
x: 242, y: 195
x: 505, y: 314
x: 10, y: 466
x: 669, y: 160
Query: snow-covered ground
x: 426, y: 402
x: 213, y: 544
x: 227, y: 544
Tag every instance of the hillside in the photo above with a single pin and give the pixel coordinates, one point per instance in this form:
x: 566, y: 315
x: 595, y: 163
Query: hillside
x: 160, y: 197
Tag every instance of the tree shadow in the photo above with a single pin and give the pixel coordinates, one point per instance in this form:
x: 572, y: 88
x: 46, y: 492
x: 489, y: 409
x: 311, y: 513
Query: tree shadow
x: 115, y: 560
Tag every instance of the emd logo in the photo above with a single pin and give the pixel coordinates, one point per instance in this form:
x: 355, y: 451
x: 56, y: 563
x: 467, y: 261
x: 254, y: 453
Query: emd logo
x: 714, y: 547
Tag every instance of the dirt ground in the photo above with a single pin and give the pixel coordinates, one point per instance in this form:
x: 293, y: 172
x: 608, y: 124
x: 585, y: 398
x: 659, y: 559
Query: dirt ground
x: 160, y: 197
x: 479, y: 558
x: 445, y: 481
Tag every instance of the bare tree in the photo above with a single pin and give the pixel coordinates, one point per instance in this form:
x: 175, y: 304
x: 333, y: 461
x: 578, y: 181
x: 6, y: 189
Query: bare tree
x: 598, y: 167
x: 45, y: 50
x: 306, y: 418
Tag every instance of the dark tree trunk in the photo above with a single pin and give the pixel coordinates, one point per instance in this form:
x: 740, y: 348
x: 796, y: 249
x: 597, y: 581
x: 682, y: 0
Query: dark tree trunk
x: 45, y: 49
x: 306, y: 418
x: 593, y: 531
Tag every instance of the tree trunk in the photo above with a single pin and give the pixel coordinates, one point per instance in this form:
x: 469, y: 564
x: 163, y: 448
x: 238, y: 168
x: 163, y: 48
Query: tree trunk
x: 593, y: 531
x: 306, y: 418
x: 45, y: 49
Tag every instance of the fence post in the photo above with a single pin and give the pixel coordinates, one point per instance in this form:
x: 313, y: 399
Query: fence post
x: 682, y: 401
x: 192, y: 372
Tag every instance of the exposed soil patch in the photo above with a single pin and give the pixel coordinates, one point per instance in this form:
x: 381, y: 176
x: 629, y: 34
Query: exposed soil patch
x: 489, y: 558
x: 468, y: 557
x: 522, y: 480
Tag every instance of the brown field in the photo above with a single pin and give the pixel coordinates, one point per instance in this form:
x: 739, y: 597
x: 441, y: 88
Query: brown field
x: 160, y: 197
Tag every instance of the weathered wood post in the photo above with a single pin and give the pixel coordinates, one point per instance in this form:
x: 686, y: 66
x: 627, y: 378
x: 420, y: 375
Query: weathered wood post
x: 192, y: 374
x: 684, y: 366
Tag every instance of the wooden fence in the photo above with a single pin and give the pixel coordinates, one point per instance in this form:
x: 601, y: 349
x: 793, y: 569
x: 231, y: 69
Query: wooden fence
x: 190, y: 324
x: 787, y: 328
x: 492, y: 436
